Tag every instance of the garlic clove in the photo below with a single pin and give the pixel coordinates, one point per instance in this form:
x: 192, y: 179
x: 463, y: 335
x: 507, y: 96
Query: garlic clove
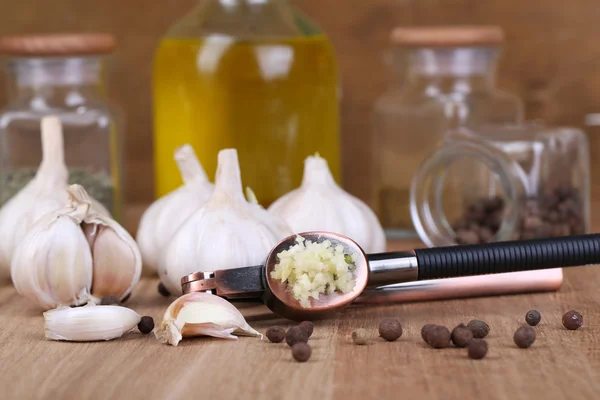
x: 117, y: 262
x: 226, y: 232
x: 53, y: 264
x: 320, y: 204
x: 89, y: 323
x: 162, y: 219
x: 99, y: 208
x: 113, y: 259
x: 202, y: 314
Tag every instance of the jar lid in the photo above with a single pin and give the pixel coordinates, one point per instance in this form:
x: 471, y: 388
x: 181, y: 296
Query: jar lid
x: 447, y: 36
x: 57, y: 45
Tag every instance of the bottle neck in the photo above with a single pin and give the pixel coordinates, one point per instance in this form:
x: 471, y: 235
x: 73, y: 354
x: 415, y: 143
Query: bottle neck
x: 65, y: 81
x: 451, y: 70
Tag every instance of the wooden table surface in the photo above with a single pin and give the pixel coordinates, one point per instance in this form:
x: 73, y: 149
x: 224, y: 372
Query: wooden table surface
x: 561, y: 364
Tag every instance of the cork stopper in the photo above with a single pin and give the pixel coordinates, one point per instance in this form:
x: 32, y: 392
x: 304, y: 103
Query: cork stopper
x: 57, y: 45
x: 447, y: 36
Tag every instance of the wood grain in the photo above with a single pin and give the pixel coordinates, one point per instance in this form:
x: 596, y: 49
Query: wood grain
x: 560, y: 365
x: 549, y: 60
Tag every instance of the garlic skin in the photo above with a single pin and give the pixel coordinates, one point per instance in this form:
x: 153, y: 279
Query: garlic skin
x: 227, y: 232
x: 89, y: 323
x: 161, y: 220
x: 46, y: 192
x: 319, y: 204
x: 75, y: 255
x: 202, y: 314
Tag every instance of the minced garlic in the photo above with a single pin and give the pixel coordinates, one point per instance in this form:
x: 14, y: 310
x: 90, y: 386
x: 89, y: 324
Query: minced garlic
x: 311, y: 269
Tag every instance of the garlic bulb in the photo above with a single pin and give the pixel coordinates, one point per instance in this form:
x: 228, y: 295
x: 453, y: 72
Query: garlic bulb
x: 160, y: 221
x: 319, y: 204
x: 75, y: 255
x: 202, y: 314
x: 46, y: 192
x: 226, y: 232
x: 89, y: 323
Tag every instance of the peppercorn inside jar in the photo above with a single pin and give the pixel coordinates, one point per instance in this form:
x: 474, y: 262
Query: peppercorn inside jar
x: 65, y: 76
x: 447, y: 80
x: 526, y: 181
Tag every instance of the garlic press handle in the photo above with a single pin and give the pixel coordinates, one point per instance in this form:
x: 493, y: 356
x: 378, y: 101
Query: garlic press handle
x: 236, y: 283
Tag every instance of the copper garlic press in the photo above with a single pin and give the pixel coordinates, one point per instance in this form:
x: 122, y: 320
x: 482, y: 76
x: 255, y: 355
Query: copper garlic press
x: 376, y: 270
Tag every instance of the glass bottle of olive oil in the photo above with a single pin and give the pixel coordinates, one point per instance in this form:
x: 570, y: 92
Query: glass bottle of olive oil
x: 255, y: 75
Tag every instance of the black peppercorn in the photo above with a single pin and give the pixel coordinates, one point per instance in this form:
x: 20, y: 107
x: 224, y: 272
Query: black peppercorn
x: 524, y: 337
x: 308, y: 327
x: 146, y: 325
x: 438, y: 337
x: 572, y: 320
x: 479, y: 328
x: 390, y: 329
x: 301, y: 352
x: 108, y: 300
x: 477, y: 349
x: 295, y: 335
x: 275, y: 334
x: 162, y: 289
x: 461, y: 336
x: 533, y: 317
x: 425, y: 330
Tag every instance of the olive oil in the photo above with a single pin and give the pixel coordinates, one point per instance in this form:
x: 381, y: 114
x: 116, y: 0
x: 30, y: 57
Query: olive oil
x: 274, y: 100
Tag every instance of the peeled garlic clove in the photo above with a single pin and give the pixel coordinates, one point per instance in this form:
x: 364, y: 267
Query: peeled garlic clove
x: 226, y: 232
x: 89, y: 323
x: 319, y: 204
x: 202, y: 314
x: 53, y: 264
x: 160, y: 221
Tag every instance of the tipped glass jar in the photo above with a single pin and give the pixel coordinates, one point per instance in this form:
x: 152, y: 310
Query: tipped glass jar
x: 524, y: 182
x: 62, y: 75
x: 447, y: 78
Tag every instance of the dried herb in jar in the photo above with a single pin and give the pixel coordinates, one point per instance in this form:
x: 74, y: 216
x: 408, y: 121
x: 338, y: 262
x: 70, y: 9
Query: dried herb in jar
x: 98, y: 185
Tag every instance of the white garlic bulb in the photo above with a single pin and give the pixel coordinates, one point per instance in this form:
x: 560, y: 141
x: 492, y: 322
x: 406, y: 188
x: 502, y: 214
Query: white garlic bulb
x: 202, y: 314
x: 226, y: 232
x: 319, y: 204
x: 46, y: 192
x: 75, y: 255
x: 89, y: 323
x: 160, y: 221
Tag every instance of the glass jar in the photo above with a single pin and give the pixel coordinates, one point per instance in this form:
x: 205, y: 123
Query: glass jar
x: 447, y: 80
x: 62, y: 75
x: 526, y: 181
x: 255, y: 75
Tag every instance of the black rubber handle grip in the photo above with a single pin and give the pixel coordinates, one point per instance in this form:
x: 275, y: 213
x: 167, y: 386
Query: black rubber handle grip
x: 499, y: 257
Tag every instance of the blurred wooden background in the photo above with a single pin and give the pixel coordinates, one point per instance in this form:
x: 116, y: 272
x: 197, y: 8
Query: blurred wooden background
x: 551, y: 58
